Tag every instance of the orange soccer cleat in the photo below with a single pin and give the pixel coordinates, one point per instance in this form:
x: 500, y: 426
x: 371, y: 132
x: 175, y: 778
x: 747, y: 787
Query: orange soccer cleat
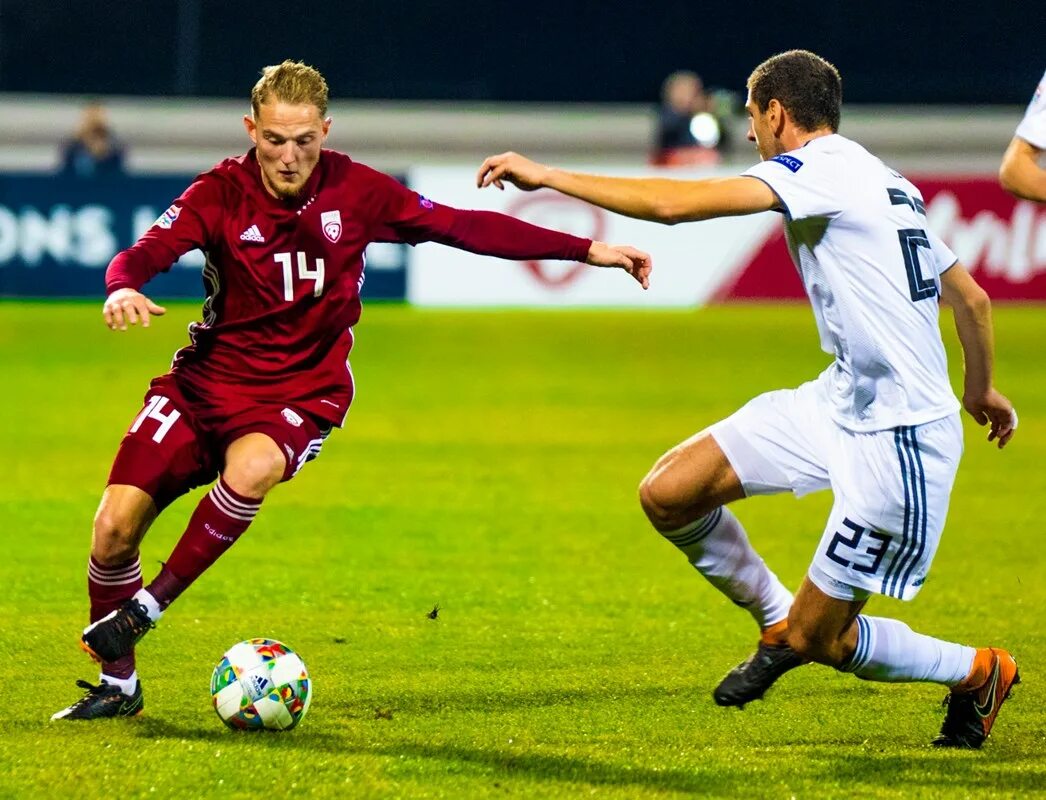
x: 974, y: 704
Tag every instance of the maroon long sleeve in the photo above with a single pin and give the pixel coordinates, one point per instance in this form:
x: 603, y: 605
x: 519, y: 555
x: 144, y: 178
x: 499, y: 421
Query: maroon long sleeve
x: 489, y: 233
x: 181, y: 228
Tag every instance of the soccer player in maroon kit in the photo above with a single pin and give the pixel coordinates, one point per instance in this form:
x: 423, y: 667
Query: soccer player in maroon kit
x: 264, y: 379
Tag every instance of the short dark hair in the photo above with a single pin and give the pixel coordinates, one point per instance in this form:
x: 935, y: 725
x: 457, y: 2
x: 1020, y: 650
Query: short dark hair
x: 807, y: 86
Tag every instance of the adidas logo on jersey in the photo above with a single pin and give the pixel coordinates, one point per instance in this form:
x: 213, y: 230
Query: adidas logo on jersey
x: 252, y: 234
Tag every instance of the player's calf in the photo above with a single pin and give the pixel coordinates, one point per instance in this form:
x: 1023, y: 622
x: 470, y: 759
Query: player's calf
x: 831, y: 651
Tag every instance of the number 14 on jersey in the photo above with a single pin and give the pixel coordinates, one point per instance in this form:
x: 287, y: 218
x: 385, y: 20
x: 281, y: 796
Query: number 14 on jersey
x: 286, y: 260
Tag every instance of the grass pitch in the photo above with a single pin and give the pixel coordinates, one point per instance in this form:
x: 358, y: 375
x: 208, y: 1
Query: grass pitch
x: 489, y: 466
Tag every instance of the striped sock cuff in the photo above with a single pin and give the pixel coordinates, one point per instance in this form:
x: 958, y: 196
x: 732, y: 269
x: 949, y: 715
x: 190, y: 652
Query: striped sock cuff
x: 232, y: 504
x: 865, y: 646
x: 696, y: 530
x: 118, y: 575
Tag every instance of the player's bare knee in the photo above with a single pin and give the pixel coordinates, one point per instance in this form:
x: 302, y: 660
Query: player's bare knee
x: 655, y: 505
x: 255, y: 474
x: 115, y: 537
x: 666, y: 507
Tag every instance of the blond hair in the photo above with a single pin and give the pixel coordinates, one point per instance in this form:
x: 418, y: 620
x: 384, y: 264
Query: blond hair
x: 290, y: 82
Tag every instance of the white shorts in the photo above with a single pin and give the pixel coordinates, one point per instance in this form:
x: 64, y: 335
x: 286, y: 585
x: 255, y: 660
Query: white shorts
x: 891, y: 487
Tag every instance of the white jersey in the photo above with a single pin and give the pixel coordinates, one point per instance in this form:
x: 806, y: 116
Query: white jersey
x: 1033, y: 127
x: 857, y: 233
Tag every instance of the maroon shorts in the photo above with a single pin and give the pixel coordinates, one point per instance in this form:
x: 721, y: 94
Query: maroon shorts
x: 178, y: 440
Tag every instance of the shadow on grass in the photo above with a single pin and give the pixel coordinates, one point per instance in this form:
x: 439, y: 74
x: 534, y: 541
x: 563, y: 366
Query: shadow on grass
x: 497, y: 700
x: 154, y: 728
x: 805, y: 761
x: 497, y: 762
x: 944, y: 773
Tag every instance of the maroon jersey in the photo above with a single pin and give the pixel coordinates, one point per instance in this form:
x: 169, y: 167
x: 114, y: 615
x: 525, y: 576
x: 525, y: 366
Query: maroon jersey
x: 283, y: 278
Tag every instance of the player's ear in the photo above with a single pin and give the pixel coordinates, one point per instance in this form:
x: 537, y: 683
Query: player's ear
x: 327, y: 126
x: 251, y: 126
x: 775, y: 114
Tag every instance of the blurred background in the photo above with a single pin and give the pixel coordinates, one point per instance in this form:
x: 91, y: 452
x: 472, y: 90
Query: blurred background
x: 108, y: 112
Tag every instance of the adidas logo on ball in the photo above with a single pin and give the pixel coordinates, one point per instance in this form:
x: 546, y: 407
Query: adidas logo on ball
x: 257, y: 686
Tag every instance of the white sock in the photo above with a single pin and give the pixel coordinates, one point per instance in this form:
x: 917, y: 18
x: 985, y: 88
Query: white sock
x: 126, y: 685
x: 888, y: 650
x: 718, y: 547
x: 152, y: 608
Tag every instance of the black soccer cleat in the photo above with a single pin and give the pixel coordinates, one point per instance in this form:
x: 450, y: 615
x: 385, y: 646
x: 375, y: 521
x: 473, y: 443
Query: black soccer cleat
x: 102, y: 702
x: 750, y: 679
x: 971, y: 713
x: 114, y: 635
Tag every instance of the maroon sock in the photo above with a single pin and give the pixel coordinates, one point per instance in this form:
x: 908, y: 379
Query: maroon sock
x: 108, y: 588
x: 216, y: 524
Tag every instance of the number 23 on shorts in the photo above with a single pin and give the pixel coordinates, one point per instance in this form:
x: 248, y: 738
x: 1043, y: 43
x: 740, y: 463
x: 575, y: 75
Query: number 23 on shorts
x: 861, y: 549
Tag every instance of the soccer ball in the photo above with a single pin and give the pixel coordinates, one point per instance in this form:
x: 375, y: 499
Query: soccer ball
x: 261, y: 684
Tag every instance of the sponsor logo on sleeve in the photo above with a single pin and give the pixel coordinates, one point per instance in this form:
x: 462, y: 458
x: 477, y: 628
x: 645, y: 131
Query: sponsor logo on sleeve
x: 331, y: 222
x: 424, y: 202
x: 791, y: 162
x: 167, y: 218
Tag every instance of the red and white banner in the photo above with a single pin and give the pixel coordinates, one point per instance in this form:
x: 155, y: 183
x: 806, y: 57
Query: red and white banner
x: 690, y: 261
x: 1000, y: 239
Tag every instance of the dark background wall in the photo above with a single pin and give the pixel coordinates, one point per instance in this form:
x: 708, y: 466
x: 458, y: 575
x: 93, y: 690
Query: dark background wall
x: 888, y: 52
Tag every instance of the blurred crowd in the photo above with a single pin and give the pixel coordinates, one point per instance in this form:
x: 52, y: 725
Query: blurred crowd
x: 692, y: 123
x: 93, y: 151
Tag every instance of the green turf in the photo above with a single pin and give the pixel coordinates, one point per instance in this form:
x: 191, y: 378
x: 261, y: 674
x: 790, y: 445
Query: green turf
x: 490, y: 465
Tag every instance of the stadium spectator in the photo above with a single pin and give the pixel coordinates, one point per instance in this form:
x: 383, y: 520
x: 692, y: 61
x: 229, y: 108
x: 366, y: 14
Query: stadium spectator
x: 94, y: 152
x: 254, y: 395
x: 689, y: 128
x: 880, y: 426
x: 1020, y: 172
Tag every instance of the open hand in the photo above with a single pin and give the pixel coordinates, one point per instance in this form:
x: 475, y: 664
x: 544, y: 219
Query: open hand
x: 635, y: 262
x: 512, y: 167
x: 128, y: 306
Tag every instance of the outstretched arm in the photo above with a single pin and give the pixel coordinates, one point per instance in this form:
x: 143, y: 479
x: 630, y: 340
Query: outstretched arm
x: 493, y: 234
x: 1020, y: 173
x: 655, y: 199
x: 973, y: 321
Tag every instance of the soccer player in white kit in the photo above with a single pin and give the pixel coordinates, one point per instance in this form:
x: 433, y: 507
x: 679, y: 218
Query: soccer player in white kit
x: 1020, y: 172
x: 880, y: 426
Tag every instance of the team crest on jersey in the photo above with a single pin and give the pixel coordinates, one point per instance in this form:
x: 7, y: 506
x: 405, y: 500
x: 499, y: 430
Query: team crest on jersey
x: 331, y: 222
x: 791, y: 162
x: 167, y: 218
